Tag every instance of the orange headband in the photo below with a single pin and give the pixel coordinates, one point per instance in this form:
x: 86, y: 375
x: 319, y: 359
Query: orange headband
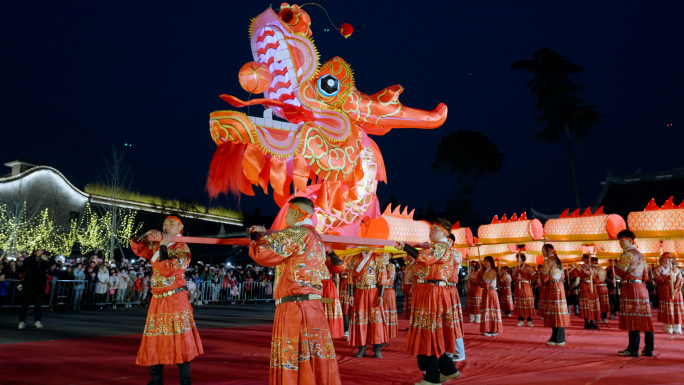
x: 175, y: 219
x: 441, y: 228
x: 304, y: 213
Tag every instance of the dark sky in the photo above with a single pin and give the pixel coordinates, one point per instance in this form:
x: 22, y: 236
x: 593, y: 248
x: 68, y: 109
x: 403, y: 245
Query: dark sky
x: 81, y: 76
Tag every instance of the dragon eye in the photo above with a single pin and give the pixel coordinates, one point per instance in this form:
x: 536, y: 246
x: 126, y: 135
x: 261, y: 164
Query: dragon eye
x: 328, y: 85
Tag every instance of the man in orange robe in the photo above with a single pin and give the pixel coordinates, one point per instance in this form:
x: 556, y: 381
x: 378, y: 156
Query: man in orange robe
x: 635, y: 308
x: 590, y: 307
x: 671, y: 307
x: 390, y: 297
x: 456, y: 299
x: 602, y: 289
x: 431, y: 328
x: 407, y: 285
x: 170, y: 335
x: 523, y: 275
x: 333, y: 308
x: 366, y: 298
x: 302, y: 350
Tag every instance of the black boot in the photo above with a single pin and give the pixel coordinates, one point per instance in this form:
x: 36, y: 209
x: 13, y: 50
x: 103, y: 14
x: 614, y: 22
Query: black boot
x: 156, y: 375
x: 377, y: 350
x: 593, y: 326
x: 184, y: 373
x: 586, y: 324
x: 361, y: 352
x: 345, y: 319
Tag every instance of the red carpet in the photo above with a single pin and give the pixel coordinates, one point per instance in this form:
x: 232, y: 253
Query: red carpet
x: 241, y: 355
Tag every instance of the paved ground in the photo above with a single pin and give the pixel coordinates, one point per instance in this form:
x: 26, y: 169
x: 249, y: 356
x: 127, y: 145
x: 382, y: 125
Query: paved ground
x: 123, y: 321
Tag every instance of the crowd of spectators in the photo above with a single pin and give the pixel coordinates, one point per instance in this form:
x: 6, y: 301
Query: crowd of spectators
x: 91, y: 281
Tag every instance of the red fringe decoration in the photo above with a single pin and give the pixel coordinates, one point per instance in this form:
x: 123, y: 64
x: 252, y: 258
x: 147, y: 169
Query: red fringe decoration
x: 225, y: 169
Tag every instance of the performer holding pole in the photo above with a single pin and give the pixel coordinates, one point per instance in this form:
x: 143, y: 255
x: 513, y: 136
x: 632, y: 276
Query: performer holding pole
x: 635, y: 309
x: 456, y: 298
x: 671, y: 309
x: 366, y: 300
x: 302, y: 350
x: 491, y: 324
x: 613, y: 291
x: 589, y: 306
x: 523, y: 275
x: 331, y: 299
x: 390, y: 297
x: 474, y: 292
x: 602, y: 289
x: 170, y: 335
x: 431, y: 329
x: 556, y: 309
x: 506, y: 297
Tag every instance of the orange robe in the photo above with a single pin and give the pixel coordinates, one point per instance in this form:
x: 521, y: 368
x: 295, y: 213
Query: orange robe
x: 555, y: 306
x: 431, y: 328
x: 635, y: 308
x: 602, y: 288
x: 590, y: 307
x: 491, y: 311
x: 366, y: 318
x: 170, y: 335
x: 670, y: 310
x: 390, y: 301
x: 302, y: 350
x: 333, y: 308
x: 474, y: 293
x: 455, y: 296
x: 506, y: 296
x: 344, y: 288
x: 407, y: 287
x: 523, y: 295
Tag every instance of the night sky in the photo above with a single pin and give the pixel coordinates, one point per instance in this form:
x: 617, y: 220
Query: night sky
x: 81, y: 76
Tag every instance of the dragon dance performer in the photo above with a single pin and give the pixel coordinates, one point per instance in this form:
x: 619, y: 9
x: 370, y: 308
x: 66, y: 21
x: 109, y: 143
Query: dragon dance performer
x: 474, y: 292
x: 390, y: 297
x: 523, y: 275
x: 344, y: 296
x: 555, y: 309
x: 590, y: 308
x: 505, y: 296
x: 456, y: 299
x: 573, y: 292
x: 333, y: 308
x: 432, y: 328
x: 366, y: 297
x: 407, y: 285
x: 491, y: 310
x: 613, y: 292
x: 302, y: 350
x: 635, y: 308
x: 170, y: 335
x: 602, y: 288
x: 671, y: 307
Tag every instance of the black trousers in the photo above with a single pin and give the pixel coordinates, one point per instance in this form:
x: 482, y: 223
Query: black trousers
x: 635, y: 339
x: 433, y: 366
x: 32, y: 296
x: 557, y: 335
x: 157, y: 374
x: 614, y: 303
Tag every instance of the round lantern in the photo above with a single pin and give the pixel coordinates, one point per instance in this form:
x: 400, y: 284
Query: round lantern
x: 255, y: 77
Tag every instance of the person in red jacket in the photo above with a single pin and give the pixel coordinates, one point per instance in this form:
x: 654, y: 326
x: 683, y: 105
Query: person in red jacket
x: 170, y: 335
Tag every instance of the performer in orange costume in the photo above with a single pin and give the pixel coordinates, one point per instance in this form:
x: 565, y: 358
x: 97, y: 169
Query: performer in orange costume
x: 407, y: 285
x: 170, y: 335
x: 602, y: 288
x: 344, y: 296
x: 506, y: 297
x: 390, y: 297
x: 474, y: 292
x: 302, y: 350
x: 333, y: 308
x: 456, y: 298
x: 671, y: 306
x: 366, y: 296
x: 523, y: 275
x: 556, y: 307
x: 432, y: 327
x: 635, y: 308
x: 590, y: 308
x: 491, y: 311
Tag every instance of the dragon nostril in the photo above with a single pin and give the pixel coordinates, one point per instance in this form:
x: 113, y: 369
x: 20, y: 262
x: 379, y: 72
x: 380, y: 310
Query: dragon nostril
x: 286, y: 15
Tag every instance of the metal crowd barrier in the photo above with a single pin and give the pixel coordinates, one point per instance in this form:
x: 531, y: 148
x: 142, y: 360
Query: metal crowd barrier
x: 206, y: 293
x: 71, y: 294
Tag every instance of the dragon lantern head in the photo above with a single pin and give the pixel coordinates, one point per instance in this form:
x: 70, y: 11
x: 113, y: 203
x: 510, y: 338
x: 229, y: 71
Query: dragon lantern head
x: 328, y: 120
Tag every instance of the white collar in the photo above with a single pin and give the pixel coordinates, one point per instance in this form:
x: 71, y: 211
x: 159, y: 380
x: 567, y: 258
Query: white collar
x: 444, y: 240
x: 366, y: 256
x: 630, y: 247
x: 305, y: 221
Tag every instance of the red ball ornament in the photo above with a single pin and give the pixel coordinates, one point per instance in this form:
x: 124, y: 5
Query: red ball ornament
x: 255, y: 77
x: 346, y: 30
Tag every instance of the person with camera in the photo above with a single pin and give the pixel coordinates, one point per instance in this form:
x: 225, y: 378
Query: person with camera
x: 33, y: 286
